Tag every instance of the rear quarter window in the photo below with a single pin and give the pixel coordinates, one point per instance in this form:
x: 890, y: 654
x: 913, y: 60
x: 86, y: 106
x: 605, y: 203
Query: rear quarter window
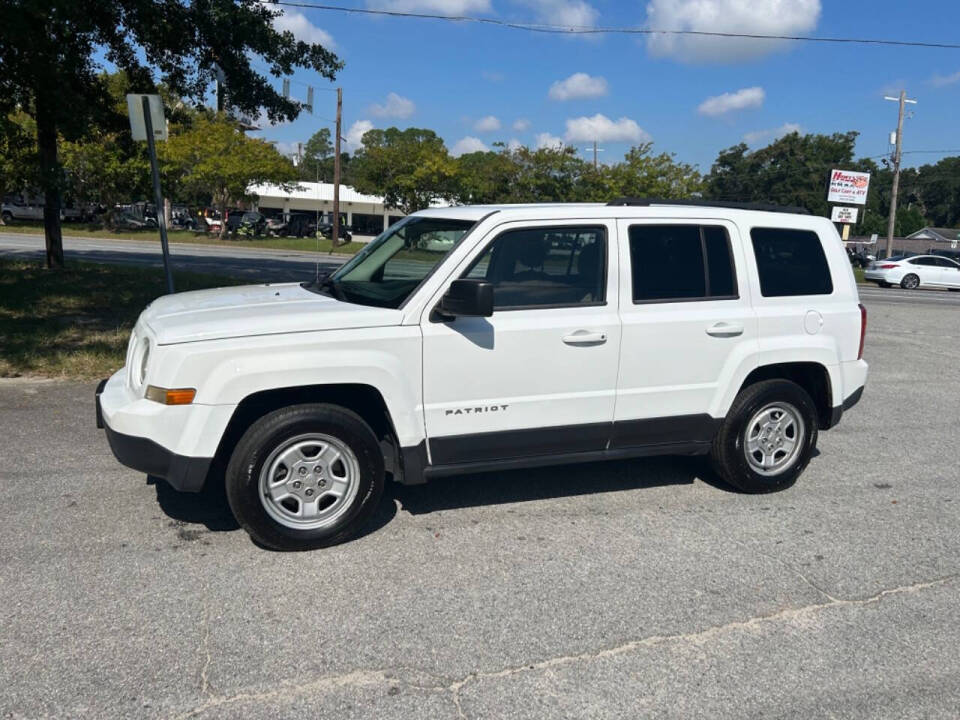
x: 790, y: 262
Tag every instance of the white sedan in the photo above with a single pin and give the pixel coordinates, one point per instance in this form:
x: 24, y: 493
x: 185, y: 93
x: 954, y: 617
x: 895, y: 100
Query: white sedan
x: 930, y: 271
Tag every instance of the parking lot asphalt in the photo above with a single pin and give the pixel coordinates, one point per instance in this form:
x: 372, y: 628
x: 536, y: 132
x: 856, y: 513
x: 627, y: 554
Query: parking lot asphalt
x: 628, y: 589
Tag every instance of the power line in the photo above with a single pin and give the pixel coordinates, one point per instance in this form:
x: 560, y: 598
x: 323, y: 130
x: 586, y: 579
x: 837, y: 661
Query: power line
x: 613, y: 30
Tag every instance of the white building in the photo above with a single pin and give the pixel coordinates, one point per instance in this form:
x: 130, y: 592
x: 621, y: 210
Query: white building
x: 365, y: 214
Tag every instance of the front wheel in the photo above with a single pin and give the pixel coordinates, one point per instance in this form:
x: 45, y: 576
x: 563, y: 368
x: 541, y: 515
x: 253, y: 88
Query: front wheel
x: 7, y: 217
x: 910, y: 282
x: 767, y: 438
x: 305, y: 476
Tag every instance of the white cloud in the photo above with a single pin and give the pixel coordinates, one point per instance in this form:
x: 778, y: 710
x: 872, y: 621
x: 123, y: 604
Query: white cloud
x: 396, y: 106
x: 751, y: 97
x: 354, y: 136
x: 761, y: 137
x: 302, y: 29
x: 577, y: 86
x: 546, y: 140
x: 440, y: 7
x: 521, y: 124
x: 288, y: 149
x: 944, y: 80
x: 761, y: 17
x: 487, y: 124
x: 570, y: 13
x: 466, y: 145
x: 514, y: 144
x: 601, y: 128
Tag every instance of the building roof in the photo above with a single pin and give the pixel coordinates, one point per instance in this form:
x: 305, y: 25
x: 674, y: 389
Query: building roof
x: 313, y: 191
x: 934, y: 233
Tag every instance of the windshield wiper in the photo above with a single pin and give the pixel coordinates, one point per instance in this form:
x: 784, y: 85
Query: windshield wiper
x: 327, y: 285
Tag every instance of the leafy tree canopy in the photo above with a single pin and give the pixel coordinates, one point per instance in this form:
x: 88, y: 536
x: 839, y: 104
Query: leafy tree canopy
x: 213, y: 157
x: 409, y: 168
x: 49, y: 52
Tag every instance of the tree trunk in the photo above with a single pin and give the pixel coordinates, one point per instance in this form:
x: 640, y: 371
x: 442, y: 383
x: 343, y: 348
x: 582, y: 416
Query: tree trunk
x: 50, y: 181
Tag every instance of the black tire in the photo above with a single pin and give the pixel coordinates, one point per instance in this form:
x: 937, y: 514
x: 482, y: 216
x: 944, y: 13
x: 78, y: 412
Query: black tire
x: 269, y: 432
x: 910, y: 282
x: 954, y: 289
x: 727, y: 454
x: 883, y: 284
x: 7, y: 217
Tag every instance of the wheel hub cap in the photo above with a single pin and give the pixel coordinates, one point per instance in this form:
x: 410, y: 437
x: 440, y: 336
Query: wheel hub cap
x: 309, y: 481
x: 774, y: 438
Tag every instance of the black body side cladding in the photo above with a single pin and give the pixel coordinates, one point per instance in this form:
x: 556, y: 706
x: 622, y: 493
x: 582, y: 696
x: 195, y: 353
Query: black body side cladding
x: 538, y: 447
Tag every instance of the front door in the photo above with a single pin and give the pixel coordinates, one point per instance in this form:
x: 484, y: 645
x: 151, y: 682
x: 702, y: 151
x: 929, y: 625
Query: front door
x: 538, y: 377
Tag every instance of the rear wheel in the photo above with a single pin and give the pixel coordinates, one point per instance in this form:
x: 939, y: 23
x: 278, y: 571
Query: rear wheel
x: 910, y: 282
x: 767, y: 438
x: 305, y: 476
x: 883, y: 284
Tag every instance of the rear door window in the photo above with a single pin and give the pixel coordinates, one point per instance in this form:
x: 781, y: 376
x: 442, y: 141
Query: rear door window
x: 790, y: 262
x: 674, y: 263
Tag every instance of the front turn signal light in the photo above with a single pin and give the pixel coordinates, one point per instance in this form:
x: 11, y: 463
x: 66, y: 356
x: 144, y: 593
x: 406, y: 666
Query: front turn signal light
x: 164, y: 396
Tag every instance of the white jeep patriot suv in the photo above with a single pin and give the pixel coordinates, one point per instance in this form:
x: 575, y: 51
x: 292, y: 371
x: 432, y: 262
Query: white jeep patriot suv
x: 470, y: 339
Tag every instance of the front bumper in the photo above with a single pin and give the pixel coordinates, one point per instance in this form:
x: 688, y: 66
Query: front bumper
x: 186, y: 473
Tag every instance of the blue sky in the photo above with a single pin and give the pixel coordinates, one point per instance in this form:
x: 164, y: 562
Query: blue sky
x: 692, y: 97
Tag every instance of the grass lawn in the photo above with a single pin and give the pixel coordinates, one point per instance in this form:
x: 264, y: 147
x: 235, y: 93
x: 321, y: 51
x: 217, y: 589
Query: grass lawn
x: 858, y: 274
x: 76, y: 322
x: 180, y: 236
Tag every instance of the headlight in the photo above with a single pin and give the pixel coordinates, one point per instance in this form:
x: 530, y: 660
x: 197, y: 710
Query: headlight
x: 144, y: 359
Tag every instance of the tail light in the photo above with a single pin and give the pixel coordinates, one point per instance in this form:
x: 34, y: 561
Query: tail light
x: 863, y: 330
x: 888, y: 266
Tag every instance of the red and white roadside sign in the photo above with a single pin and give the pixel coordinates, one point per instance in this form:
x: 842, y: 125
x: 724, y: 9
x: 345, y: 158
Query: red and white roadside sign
x: 848, y: 187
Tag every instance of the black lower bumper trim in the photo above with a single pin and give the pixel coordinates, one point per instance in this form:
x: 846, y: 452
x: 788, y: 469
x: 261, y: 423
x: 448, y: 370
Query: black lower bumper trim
x: 851, y: 400
x: 186, y: 474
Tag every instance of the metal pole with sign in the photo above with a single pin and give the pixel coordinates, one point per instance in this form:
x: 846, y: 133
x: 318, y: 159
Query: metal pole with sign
x: 147, y: 123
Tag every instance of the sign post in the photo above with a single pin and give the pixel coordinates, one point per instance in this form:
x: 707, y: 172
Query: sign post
x: 147, y: 123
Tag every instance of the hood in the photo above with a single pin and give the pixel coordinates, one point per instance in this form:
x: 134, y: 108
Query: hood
x: 252, y: 310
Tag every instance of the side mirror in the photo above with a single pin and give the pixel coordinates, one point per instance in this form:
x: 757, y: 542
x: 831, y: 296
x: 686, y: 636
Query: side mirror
x: 469, y: 298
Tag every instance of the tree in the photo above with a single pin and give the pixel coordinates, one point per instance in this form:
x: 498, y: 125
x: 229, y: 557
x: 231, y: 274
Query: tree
x: 317, y: 161
x: 938, y: 189
x: 213, y: 156
x: 409, y: 168
x: 18, y: 152
x: 49, y: 52
x: 642, y: 174
x: 790, y: 171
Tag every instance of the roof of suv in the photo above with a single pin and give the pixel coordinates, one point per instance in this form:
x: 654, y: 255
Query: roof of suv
x: 674, y: 209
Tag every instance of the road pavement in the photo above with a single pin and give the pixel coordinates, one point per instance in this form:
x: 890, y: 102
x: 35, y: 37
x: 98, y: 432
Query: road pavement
x: 625, y: 589
x: 254, y: 264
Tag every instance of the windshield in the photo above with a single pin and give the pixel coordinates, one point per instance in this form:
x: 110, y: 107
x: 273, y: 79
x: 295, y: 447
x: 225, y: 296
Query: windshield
x: 391, y: 267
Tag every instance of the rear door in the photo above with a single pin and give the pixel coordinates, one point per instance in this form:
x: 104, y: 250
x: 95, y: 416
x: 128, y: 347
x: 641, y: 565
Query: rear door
x: 927, y: 269
x: 538, y: 377
x: 687, y: 325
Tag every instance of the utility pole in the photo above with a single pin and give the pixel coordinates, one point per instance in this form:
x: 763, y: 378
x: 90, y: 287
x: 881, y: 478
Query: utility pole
x: 897, y: 157
x: 596, y: 159
x: 335, y: 235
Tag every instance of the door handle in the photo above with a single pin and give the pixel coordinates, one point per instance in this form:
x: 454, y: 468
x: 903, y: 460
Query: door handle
x: 725, y: 329
x: 585, y: 337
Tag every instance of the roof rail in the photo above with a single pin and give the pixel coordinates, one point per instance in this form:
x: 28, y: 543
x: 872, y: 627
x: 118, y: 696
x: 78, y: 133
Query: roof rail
x: 765, y: 207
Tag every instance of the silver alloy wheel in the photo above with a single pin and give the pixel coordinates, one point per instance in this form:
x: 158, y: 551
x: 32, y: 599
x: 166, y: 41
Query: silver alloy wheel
x: 911, y: 282
x: 309, y: 481
x: 774, y: 439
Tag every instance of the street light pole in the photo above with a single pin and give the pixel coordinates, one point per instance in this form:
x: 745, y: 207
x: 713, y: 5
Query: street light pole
x: 897, y: 157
